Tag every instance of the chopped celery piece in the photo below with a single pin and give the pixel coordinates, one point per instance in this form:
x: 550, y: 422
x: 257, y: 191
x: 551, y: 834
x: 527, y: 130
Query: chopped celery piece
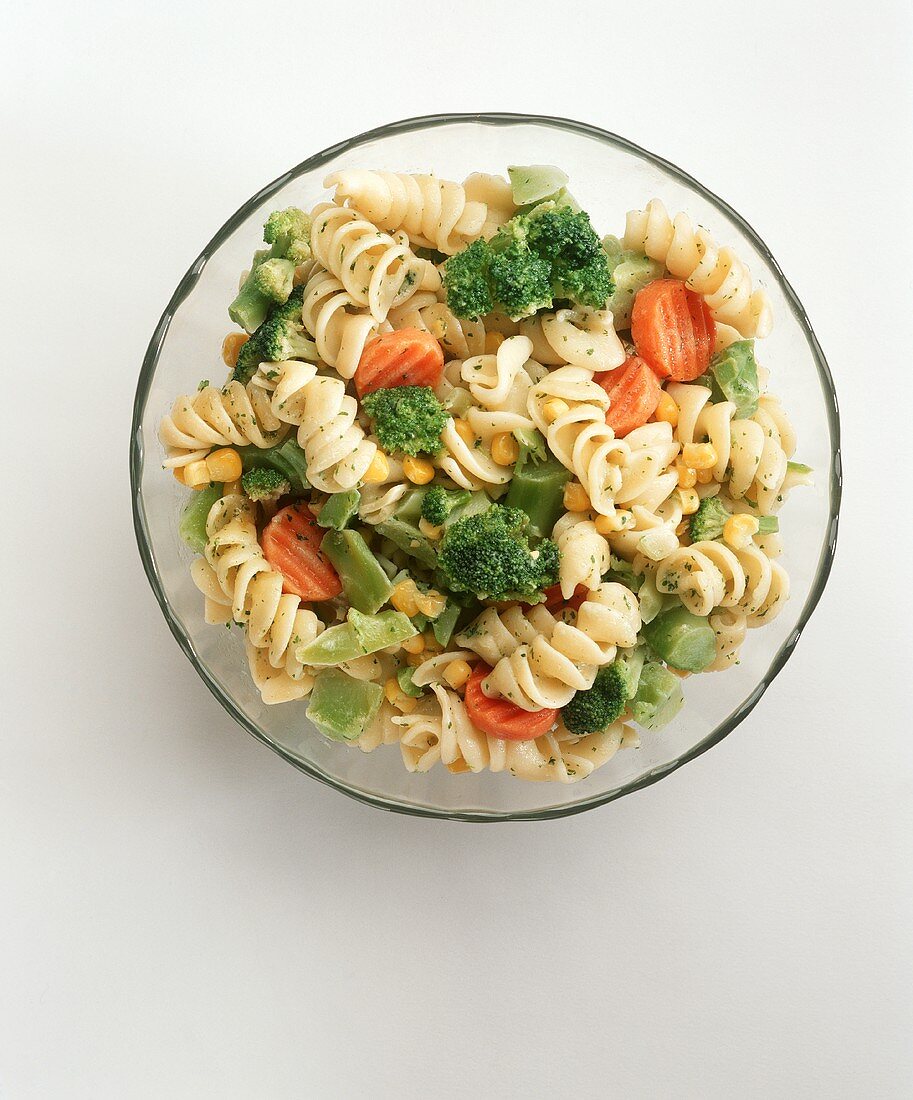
x: 631, y: 271
x: 336, y: 644
x: 288, y: 458
x: 339, y: 509
x: 768, y: 525
x: 539, y: 492
x: 659, y: 697
x: 631, y: 663
x: 341, y: 707
x: 404, y: 679
x: 192, y: 527
x: 409, y: 539
x: 798, y: 468
x: 535, y: 182
x: 364, y: 582
x: 735, y: 377
x: 681, y: 639
x: 445, y: 623
x: 376, y: 632
x: 650, y: 600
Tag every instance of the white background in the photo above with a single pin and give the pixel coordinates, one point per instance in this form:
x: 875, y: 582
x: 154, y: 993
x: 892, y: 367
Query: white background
x: 181, y: 913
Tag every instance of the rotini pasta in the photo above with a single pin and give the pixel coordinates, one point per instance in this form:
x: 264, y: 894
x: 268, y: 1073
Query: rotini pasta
x: 340, y: 333
x: 585, y: 554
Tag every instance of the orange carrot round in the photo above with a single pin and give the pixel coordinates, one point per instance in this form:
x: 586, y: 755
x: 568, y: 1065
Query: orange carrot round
x: 408, y: 357
x: 291, y: 545
x: 673, y: 330
x: 634, y: 392
x: 500, y: 717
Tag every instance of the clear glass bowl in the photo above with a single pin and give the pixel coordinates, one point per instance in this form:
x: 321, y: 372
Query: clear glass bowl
x: 609, y: 176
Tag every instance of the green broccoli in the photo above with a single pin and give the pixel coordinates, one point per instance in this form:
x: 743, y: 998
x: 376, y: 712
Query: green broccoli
x: 408, y: 419
x: 489, y: 554
x: 438, y: 503
x: 595, y: 709
x: 710, y: 519
x: 264, y: 483
x: 288, y: 232
x: 281, y: 336
x: 549, y: 252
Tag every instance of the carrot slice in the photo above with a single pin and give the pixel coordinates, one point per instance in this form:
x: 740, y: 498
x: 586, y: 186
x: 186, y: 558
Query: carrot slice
x: 500, y: 717
x: 555, y: 602
x: 408, y: 357
x: 291, y: 544
x: 634, y: 392
x: 673, y: 330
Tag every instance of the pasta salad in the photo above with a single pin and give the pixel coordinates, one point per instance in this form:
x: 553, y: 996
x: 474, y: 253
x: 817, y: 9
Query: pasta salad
x: 480, y: 483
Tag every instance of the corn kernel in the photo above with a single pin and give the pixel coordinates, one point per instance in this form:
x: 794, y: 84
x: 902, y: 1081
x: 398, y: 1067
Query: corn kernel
x: 575, y: 498
x: 464, y: 430
x: 392, y: 690
x: 493, y: 340
x: 666, y: 410
x: 416, y: 644
x: 405, y: 703
x: 553, y: 408
x: 504, y: 449
x: 403, y: 598
x: 178, y: 473
x: 196, y: 474
x: 378, y: 471
x: 457, y: 673
x: 609, y: 525
x: 430, y: 530
x: 458, y: 767
x: 687, y: 476
x: 231, y: 348
x: 432, y: 645
x: 739, y: 530
x: 699, y: 456
x: 224, y: 464
x: 418, y: 470
x: 415, y: 659
x: 704, y: 477
x: 430, y: 603
x: 232, y: 488
x: 690, y: 501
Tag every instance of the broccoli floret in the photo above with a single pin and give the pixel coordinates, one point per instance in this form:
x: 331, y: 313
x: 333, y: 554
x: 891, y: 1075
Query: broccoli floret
x: 466, y: 280
x: 409, y: 419
x: 288, y: 232
x: 489, y: 554
x: 264, y: 483
x: 597, y: 708
x: 709, y: 520
x: 551, y: 251
x: 281, y: 336
x: 438, y: 503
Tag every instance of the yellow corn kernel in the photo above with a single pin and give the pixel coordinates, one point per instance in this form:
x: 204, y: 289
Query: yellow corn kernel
x: 575, y: 498
x: 699, y: 456
x: 609, y: 525
x: 739, y: 530
x: 178, y: 473
x: 196, y: 474
x: 392, y: 690
x: 666, y: 409
x: 493, y: 340
x: 224, y: 464
x: 232, y: 488
x: 457, y: 673
x: 431, y: 603
x: 704, y: 477
x: 415, y: 659
x: 231, y: 347
x: 418, y: 470
x: 378, y: 471
x: 464, y: 430
x: 690, y: 501
x: 504, y: 449
x: 458, y: 767
x: 415, y: 644
x: 403, y: 598
x: 405, y: 703
x: 432, y: 645
x: 687, y: 476
x: 430, y: 530
x: 553, y: 408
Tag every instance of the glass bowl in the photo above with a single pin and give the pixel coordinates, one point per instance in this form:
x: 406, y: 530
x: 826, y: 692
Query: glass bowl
x: 609, y: 176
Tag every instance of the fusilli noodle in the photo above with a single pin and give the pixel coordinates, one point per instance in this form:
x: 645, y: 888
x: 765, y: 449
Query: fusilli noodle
x: 234, y: 416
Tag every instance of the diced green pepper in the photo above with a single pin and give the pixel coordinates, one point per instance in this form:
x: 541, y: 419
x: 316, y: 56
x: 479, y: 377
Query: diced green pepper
x: 376, y: 632
x: 539, y: 492
x: 192, y: 527
x: 659, y: 697
x: 681, y: 639
x: 445, y: 624
x: 404, y: 679
x: 341, y: 707
x: 339, y: 509
x: 336, y: 644
x: 409, y: 539
x: 287, y: 457
x: 364, y: 583
x: 733, y: 376
x: 532, y: 183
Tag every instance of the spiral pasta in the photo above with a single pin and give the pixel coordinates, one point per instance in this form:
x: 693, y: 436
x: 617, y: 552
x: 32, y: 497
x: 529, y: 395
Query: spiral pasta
x: 466, y: 465
x: 459, y: 337
x: 584, y: 553
x: 540, y: 661
x: 235, y: 415
x: 441, y: 732
x: 580, y: 438
x: 709, y: 575
x: 239, y: 583
x: 491, y: 378
x: 328, y: 313
x: 337, y: 451
x: 584, y: 338
x: 377, y: 271
x: 693, y: 255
